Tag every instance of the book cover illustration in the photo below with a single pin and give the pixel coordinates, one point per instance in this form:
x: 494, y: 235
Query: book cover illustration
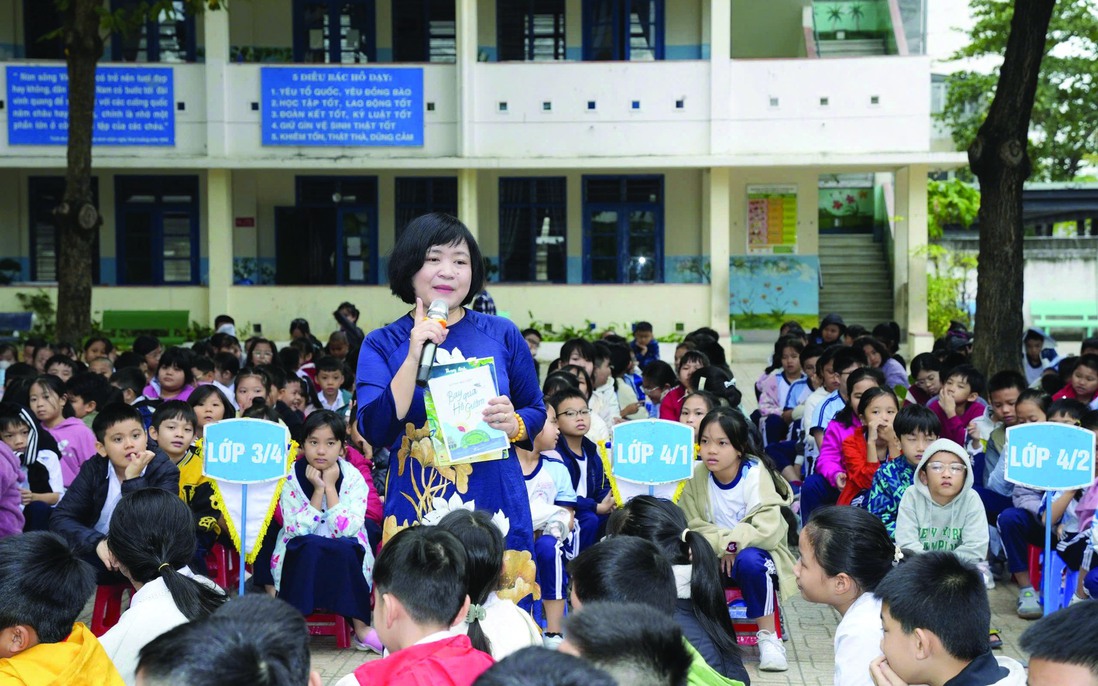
x: 456, y: 397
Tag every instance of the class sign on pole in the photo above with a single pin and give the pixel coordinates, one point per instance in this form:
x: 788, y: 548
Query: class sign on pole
x: 247, y: 458
x: 1053, y: 458
x: 652, y: 457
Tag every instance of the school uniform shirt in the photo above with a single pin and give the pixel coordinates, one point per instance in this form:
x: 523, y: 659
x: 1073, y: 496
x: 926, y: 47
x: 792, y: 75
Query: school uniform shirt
x: 550, y: 489
x: 152, y: 612
x: 627, y: 395
x: 798, y: 393
x: 604, y: 402
x: 959, y: 526
x: 339, y: 405
x: 229, y: 391
x: 195, y: 490
x: 650, y: 354
x: 858, y: 641
x: 76, y: 444
x: 585, y: 473
x: 773, y: 391
x: 826, y: 410
x: 441, y: 659
x: 79, y: 660
x: 989, y: 670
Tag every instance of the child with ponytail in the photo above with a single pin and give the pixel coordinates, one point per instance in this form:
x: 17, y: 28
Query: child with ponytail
x: 700, y: 609
x: 151, y: 541
x: 494, y: 625
x: 845, y: 552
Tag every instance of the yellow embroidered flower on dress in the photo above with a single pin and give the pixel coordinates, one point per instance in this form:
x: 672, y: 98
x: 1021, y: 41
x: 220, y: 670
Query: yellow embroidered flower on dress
x: 391, y: 528
x: 519, y: 574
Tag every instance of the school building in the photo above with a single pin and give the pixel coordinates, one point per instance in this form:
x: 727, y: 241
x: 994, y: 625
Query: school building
x: 730, y: 163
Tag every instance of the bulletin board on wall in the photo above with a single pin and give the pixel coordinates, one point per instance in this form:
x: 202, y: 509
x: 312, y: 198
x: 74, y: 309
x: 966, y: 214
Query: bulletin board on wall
x: 772, y: 219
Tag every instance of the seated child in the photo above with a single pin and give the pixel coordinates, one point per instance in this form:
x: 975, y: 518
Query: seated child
x: 580, y: 456
x: 1084, y: 383
x: 1040, y: 355
x: 43, y: 588
x: 544, y: 667
x: 130, y: 381
x: 1004, y: 390
x: 152, y: 541
x: 958, y: 403
x: 202, y: 369
x: 644, y: 345
x: 63, y: 367
x: 75, y: 441
x: 293, y: 419
x: 494, y: 625
x: 226, y: 367
x: 252, y: 383
x: 210, y: 405
x: 671, y: 404
x: 11, y: 499
x: 644, y: 649
x: 261, y: 351
x: 249, y: 640
x: 40, y: 482
x: 86, y: 393
x: 420, y: 592
x: 604, y: 397
x: 123, y: 465
x: 552, y: 504
x: 323, y: 558
x: 175, y: 380
x: 941, y: 511
x: 329, y: 382
x: 734, y: 500
x: 925, y: 643
x: 1061, y: 648
x: 864, y: 450
x: 173, y: 429
x: 774, y: 388
x: 361, y: 455
x: 656, y: 382
x: 916, y: 427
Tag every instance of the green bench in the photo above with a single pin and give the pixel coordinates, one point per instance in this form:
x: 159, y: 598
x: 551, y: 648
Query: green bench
x: 170, y: 326
x: 1065, y: 314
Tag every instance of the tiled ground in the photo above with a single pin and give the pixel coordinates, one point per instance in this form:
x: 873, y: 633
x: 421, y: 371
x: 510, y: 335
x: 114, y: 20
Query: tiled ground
x: 811, y: 630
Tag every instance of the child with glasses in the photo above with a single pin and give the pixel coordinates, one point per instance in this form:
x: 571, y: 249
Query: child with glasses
x: 941, y: 511
x: 580, y: 455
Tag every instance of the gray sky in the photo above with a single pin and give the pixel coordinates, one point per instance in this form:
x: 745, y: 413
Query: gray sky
x: 947, y: 22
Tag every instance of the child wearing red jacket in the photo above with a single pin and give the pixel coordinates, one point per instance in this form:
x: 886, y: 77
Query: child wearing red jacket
x: 864, y: 450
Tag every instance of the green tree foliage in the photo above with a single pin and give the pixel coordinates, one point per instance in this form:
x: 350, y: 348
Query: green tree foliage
x: 1064, y: 126
x: 950, y: 203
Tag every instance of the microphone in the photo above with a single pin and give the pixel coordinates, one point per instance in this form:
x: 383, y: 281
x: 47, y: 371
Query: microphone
x: 438, y: 311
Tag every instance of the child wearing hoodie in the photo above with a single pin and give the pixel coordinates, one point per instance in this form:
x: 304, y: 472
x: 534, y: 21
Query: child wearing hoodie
x: 917, y: 428
x: 941, y: 511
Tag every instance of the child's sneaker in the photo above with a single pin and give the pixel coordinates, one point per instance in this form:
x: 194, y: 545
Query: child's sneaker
x: 771, y: 652
x: 372, y: 644
x: 985, y: 572
x: 1029, y: 604
x: 552, y: 641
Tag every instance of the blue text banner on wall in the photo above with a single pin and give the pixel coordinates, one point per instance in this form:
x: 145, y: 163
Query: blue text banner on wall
x: 342, y: 106
x: 134, y: 106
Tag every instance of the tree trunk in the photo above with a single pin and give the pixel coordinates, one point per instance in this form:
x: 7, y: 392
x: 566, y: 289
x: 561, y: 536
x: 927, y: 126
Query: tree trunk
x: 1000, y: 159
x: 77, y: 217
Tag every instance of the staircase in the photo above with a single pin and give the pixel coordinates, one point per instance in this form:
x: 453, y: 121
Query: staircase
x: 857, y: 281
x: 862, y: 47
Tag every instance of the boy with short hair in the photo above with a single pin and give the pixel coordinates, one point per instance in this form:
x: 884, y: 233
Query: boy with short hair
x: 604, y: 398
x: 202, y: 368
x: 123, y: 465
x: 173, y: 429
x: 329, y: 382
x: 958, y: 403
x: 1061, y: 647
x: 87, y: 392
x: 1040, y: 355
x: 131, y: 382
x: 1003, y: 390
x: 419, y: 590
x: 580, y: 455
x: 43, y: 588
x: 935, y: 614
x: 644, y: 344
x: 635, y: 643
x: 917, y: 428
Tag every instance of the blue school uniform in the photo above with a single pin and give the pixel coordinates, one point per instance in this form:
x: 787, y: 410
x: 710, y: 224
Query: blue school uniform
x: 590, y: 491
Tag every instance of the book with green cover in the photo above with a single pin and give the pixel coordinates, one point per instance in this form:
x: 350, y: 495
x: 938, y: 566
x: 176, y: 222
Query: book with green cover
x: 457, y: 394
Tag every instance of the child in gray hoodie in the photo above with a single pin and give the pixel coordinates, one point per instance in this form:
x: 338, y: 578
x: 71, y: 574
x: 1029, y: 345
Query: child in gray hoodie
x: 941, y: 511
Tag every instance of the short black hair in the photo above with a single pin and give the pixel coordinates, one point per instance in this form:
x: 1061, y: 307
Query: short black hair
x: 43, y: 584
x: 1068, y: 406
x: 410, y: 252
x: 925, y: 362
x: 1033, y: 335
x: 62, y: 359
x: 584, y: 347
x: 1089, y: 421
x: 1065, y: 636
x: 811, y: 350
x: 846, y: 356
x: 861, y: 341
x: 223, y: 340
x: 602, y: 352
x: 114, y: 413
x: 129, y: 379
x: 128, y: 360
x: 970, y: 375
x: 90, y: 387
x: 227, y: 362
x: 636, y: 643
x: 558, y: 381
x: 660, y: 373
x: 912, y: 419
x: 565, y: 394
x: 642, y: 326
x: 99, y: 339
x: 329, y: 364
x: 424, y: 568
x: 1088, y: 344
x: 624, y: 569
x: 538, y: 666
x: 332, y: 420
x: 1007, y: 378
x: 180, y: 358
x: 202, y: 363
x: 275, y: 374
x: 174, y: 409
x: 915, y: 592
x: 531, y: 332
x: 13, y: 415
x: 254, y: 639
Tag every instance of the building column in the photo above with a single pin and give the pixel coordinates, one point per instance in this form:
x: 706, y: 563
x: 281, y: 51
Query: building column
x: 468, y: 207
x: 720, y: 74
x: 466, y: 29
x: 219, y: 243
x: 217, y: 61
x: 910, y: 257
x: 719, y: 212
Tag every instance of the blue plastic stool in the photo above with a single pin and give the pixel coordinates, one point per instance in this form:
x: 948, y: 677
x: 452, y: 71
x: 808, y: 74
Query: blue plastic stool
x: 1067, y: 579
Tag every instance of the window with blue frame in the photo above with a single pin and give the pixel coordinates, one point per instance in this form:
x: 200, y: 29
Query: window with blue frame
x: 623, y: 30
x: 330, y: 235
x: 530, y: 30
x: 167, y: 37
x: 424, y: 31
x: 533, y: 229
x: 157, y: 230
x: 334, y: 31
x: 623, y: 229
x: 45, y: 193
x: 417, y: 195
x: 42, y: 39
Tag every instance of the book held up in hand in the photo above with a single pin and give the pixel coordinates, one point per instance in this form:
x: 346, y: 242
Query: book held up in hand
x: 457, y: 394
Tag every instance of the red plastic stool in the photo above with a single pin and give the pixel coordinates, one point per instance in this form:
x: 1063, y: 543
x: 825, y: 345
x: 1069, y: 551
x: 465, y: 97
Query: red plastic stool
x: 327, y: 624
x: 221, y: 564
x: 108, y: 606
x: 746, y: 630
x: 1035, y: 567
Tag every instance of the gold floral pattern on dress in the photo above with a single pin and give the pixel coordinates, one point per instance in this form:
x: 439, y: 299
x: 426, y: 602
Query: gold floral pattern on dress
x: 433, y: 480
x: 519, y: 576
